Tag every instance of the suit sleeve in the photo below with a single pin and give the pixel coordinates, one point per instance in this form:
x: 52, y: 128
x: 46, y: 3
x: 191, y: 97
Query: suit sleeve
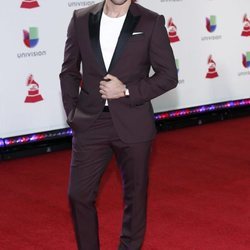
x: 70, y: 76
x: 163, y: 63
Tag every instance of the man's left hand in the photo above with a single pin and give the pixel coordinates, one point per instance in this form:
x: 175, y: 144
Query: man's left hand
x: 112, y: 88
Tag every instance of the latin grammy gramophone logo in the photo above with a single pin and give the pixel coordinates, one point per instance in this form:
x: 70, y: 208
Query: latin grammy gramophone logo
x: 29, y: 4
x: 212, y: 72
x: 172, y: 31
x: 33, y: 92
x: 246, y: 28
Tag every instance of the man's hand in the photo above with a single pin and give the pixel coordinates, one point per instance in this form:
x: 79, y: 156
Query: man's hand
x: 112, y: 88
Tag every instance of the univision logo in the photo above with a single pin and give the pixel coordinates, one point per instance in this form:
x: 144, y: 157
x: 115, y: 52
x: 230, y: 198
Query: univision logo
x: 246, y: 60
x: 80, y: 3
x: 211, y: 24
x: 29, y: 4
x: 30, y: 38
x: 177, y: 63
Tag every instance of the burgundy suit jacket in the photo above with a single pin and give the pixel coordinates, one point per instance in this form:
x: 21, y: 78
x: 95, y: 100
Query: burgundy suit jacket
x: 143, y: 42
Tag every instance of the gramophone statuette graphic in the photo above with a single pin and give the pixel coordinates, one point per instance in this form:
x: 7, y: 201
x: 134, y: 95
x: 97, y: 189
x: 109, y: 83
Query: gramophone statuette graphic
x: 29, y: 4
x: 212, y: 72
x: 33, y: 92
x: 246, y: 28
x: 172, y: 31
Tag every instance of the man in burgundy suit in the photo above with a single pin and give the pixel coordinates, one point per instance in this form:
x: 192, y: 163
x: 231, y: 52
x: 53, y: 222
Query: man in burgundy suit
x: 115, y: 43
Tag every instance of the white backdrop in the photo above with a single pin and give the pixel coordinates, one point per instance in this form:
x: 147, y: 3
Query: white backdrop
x: 34, y: 105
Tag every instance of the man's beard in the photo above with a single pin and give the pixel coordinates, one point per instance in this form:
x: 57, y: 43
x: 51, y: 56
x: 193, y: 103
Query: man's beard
x: 118, y: 2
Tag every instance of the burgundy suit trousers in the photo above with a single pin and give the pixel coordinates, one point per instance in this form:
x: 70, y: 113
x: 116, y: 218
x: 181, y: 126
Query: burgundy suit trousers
x: 91, y: 154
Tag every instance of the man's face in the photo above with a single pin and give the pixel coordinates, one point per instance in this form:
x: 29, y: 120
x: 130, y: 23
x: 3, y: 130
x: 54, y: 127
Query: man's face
x: 119, y: 2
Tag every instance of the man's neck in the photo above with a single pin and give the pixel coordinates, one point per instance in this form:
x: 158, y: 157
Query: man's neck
x: 113, y: 10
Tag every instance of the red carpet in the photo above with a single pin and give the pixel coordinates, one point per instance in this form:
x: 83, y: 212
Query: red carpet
x: 199, y: 195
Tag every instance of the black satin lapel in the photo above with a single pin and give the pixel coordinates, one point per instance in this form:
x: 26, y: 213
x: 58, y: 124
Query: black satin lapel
x: 94, y: 34
x: 127, y: 30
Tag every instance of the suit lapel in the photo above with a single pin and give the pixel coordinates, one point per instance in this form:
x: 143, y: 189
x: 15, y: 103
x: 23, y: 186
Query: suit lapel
x: 126, y: 32
x: 94, y: 34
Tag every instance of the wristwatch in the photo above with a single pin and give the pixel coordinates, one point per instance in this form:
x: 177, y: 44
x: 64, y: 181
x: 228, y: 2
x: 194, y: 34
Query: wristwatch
x: 126, y: 92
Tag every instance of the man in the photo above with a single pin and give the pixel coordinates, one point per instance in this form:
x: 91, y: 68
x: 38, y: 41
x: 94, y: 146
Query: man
x: 116, y: 42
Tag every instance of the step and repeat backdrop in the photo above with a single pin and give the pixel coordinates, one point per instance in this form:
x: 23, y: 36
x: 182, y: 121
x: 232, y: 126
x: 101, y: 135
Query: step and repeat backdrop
x: 210, y: 39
